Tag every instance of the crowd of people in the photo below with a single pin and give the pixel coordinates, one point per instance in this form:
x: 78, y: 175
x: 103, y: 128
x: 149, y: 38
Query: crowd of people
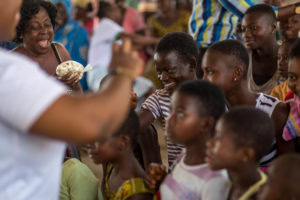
x: 218, y: 80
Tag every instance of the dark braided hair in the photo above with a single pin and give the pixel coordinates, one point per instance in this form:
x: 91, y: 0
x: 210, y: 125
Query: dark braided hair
x: 30, y: 8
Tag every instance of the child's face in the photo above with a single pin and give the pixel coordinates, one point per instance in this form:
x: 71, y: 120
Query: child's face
x: 256, y: 30
x: 61, y: 15
x: 184, y: 123
x: 216, y: 70
x: 294, y: 76
x: 292, y: 28
x: 105, y: 150
x: 283, y: 54
x: 172, y: 70
x: 221, y: 152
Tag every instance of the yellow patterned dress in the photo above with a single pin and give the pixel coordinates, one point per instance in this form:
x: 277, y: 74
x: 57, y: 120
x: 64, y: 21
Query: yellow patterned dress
x: 128, y: 189
x: 160, y: 30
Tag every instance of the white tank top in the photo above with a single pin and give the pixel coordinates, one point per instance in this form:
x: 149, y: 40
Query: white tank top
x: 265, y: 88
x: 267, y: 104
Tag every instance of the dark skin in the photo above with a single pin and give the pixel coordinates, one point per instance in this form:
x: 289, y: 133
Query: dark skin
x: 168, y: 14
x: 283, y: 179
x: 184, y: 126
x: 240, y: 162
x: 259, y: 33
x: 37, y: 39
x: 74, y: 119
x: 292, y: 28
x: 283, y: 54
x: 171, y: 72
x: 118, y: 151
x: 61, y: 16
x: 294, y: 75
x: 225, y: 72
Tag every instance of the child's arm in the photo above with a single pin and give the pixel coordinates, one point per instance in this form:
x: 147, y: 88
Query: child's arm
x: 155, y: 174
x: 148, y: 142
x: 279, y: 117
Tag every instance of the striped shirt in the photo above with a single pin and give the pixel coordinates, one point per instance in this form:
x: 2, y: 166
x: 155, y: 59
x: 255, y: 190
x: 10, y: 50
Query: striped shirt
x: 187, y: 182
x: 216, y: 20
x: 159, y: 104
x: 267, y: 104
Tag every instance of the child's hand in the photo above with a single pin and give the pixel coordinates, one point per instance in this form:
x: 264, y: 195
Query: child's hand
x: 155, y: 175
x: 134, y: 100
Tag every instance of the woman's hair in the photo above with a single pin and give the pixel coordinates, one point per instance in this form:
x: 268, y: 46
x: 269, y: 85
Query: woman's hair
x: 28, y: 10
x: 130, y: 128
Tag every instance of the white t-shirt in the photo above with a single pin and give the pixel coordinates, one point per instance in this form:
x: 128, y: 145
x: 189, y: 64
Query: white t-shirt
x: 194, y: 182
x: 30, y: 165
x: 100, y: 52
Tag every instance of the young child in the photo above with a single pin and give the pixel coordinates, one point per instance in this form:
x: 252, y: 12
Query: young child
x: 122, y: 174
x: 242, y: 137
x: 280, y: 91
x: 196, y: 106
x: 226, y: 64
x: 292, y: 127
x: 259, y: 33
x: 291, y: 28
x: 283, y: 179
x: 175, y: 60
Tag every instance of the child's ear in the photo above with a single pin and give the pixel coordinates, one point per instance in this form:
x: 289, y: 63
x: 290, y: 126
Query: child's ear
x: 238, y: 73
x: 247, y: 154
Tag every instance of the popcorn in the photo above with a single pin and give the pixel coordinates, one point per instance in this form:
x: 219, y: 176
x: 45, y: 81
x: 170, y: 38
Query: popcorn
x: 71, y: 66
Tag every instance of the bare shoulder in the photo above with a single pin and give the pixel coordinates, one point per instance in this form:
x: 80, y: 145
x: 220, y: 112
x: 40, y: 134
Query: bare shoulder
x: 19, y: 49
x: 63, y: 52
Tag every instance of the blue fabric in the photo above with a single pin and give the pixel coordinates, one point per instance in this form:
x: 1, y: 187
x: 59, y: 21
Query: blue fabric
x: 68, y: 6
x: 75, y: 38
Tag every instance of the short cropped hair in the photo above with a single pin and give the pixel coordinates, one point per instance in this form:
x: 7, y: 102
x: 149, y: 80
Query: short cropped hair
x: 130, y: 127
x: 250, y: 127
x: 180, y: 42
x: 103, y: 9
x: 233, y: 48
x: 210, y: 97
x: 28, y: 10
x: 295, y: 50
x: 262, y: 9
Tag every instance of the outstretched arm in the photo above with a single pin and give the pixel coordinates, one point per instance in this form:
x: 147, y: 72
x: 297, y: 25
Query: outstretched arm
x: 148, y: 139
x: 279, y: 117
